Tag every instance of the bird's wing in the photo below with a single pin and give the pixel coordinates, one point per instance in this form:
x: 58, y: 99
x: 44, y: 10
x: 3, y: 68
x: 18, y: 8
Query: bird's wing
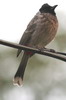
x: 28, y: 32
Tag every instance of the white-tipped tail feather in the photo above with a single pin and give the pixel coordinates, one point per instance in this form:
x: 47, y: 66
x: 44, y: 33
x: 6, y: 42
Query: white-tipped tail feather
x: 18, y: 81
x: 18, y: 78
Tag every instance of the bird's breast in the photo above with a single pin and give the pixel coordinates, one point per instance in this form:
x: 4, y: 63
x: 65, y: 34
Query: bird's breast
x: 45, y: 30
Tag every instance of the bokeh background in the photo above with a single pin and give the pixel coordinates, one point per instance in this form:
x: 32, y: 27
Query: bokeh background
x: 45, y: 77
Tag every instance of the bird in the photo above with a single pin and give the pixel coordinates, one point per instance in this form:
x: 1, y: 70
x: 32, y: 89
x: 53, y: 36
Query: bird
x: 40, y: 31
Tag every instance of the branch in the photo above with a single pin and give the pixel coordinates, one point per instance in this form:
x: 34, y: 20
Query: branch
x: 48, y: 52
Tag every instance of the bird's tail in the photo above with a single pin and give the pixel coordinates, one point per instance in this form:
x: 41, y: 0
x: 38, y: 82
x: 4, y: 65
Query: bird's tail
x: 18, y: 78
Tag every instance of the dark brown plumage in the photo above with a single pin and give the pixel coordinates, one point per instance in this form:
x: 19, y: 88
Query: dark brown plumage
x: 40, y: 31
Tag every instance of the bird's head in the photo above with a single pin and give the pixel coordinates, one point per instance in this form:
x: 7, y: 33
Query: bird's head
x: 46, y: 8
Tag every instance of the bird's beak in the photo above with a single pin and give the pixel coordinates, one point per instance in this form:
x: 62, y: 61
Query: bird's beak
x: 54, y: 7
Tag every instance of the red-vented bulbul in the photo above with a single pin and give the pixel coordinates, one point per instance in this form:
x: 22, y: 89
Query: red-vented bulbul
x: 40, y: 31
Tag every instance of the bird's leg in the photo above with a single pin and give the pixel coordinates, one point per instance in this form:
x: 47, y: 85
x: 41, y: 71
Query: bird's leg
x: 50, y: 50
x: 46, y: 49
x: 41, y: 48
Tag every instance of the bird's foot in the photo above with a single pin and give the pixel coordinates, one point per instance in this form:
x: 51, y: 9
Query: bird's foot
x: 46, y: 49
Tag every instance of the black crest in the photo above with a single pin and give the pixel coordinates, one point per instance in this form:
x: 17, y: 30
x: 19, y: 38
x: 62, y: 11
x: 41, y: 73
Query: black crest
x: 46, y: 8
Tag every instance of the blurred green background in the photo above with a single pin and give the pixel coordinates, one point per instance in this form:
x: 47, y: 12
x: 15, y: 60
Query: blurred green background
x: 44, y: 78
